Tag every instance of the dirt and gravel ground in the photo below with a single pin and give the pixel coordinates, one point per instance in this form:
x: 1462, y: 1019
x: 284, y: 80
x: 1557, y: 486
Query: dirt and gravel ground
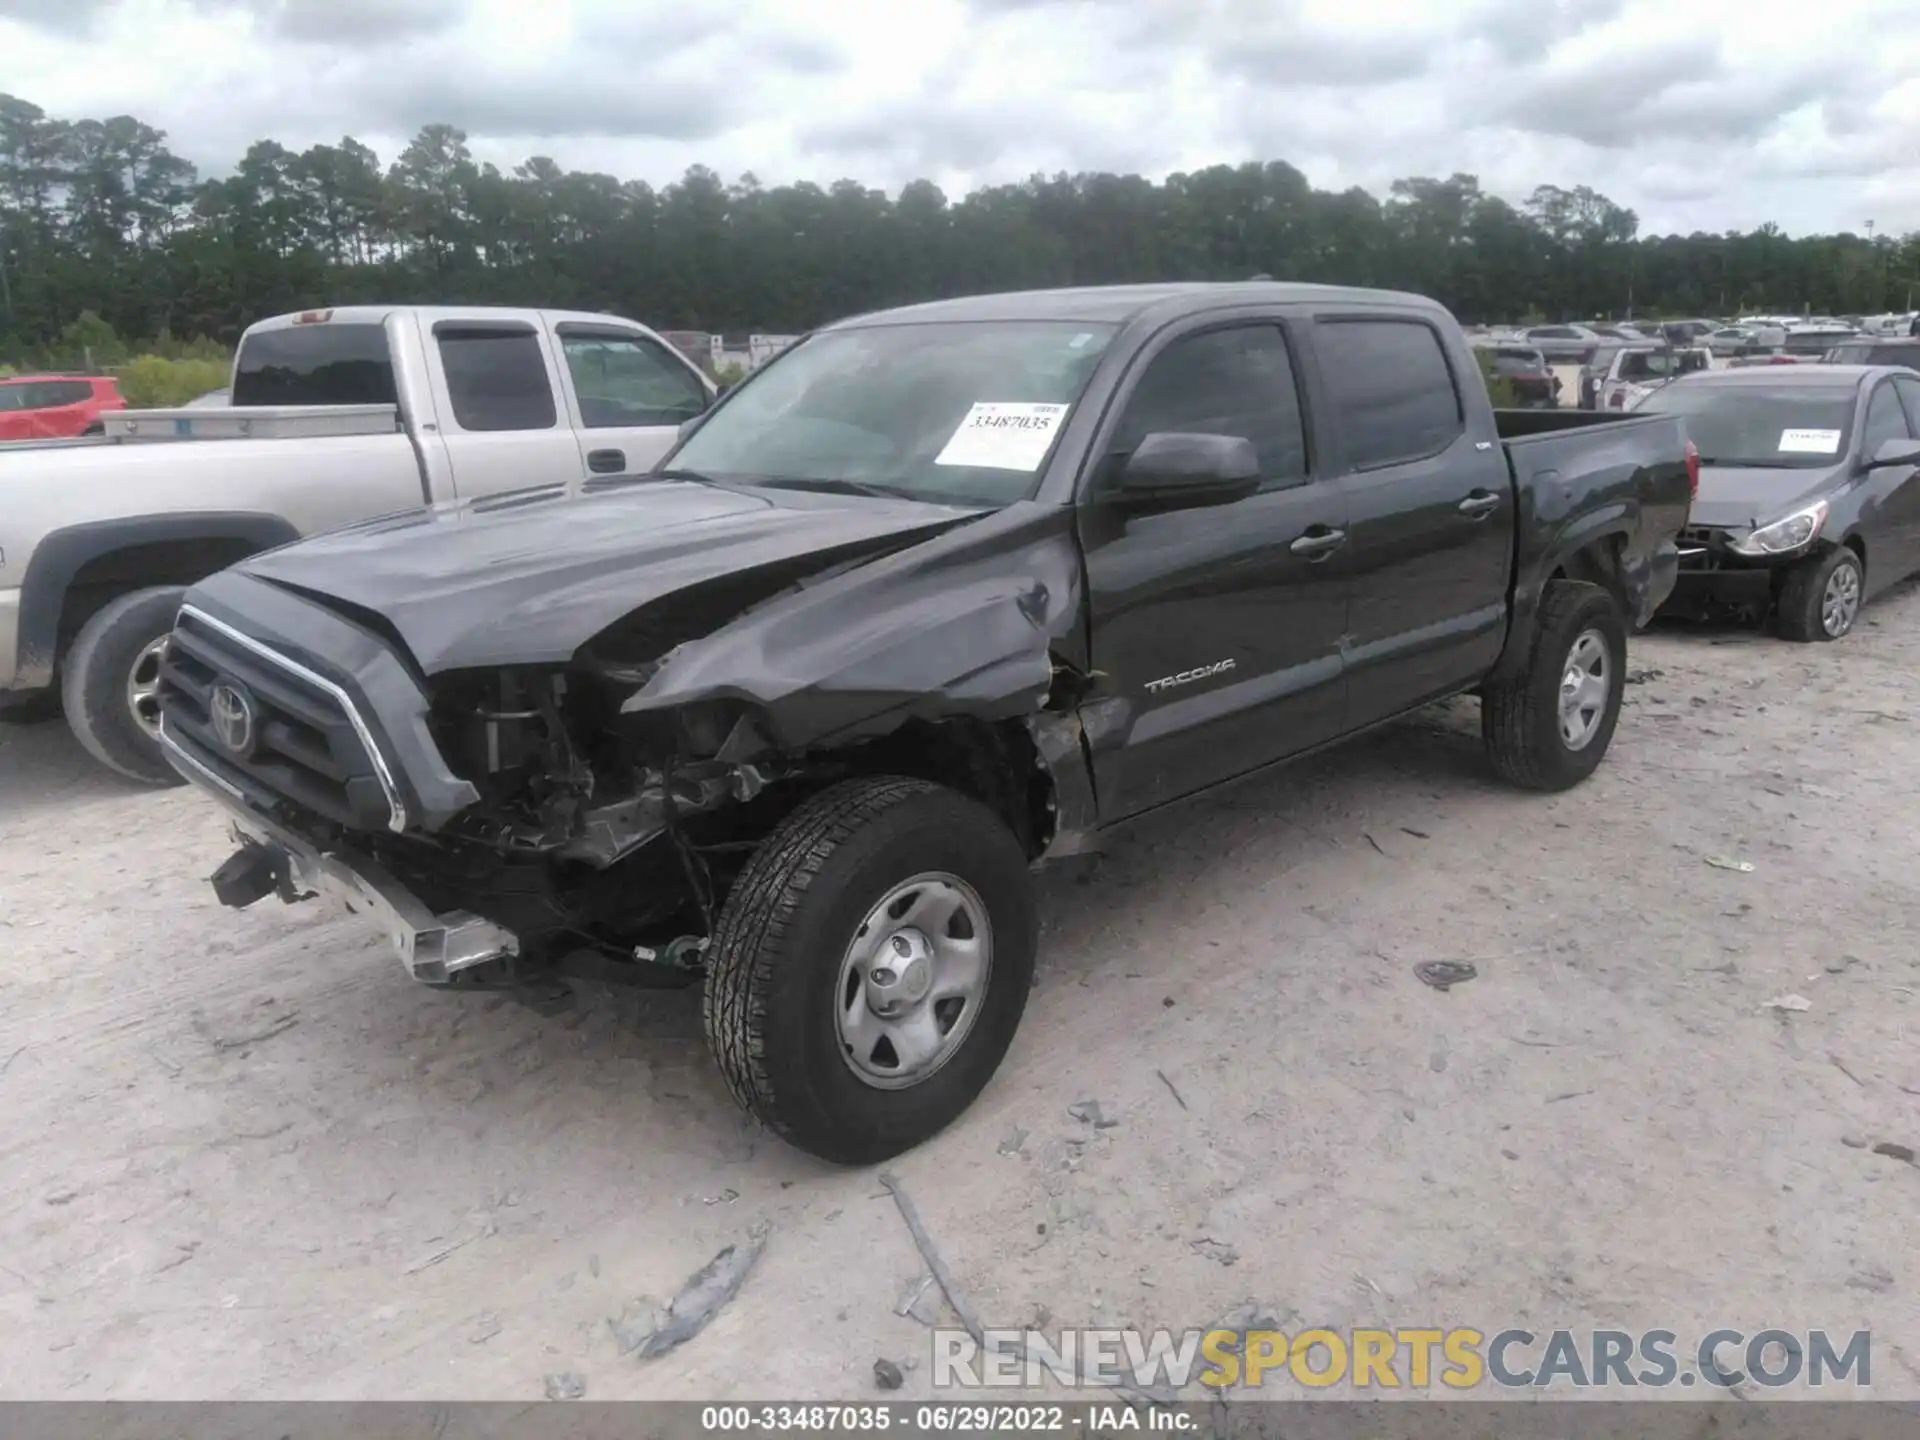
x: 246, y: 1157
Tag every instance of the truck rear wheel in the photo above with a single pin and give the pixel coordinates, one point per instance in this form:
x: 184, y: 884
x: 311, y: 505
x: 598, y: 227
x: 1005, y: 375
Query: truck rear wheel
x: 870, y: 967
x: 1549, y: 727
x: 110, y: 683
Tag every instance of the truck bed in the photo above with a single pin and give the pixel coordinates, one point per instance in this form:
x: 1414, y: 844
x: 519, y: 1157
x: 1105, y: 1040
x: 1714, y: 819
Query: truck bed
x: 1564, y: 461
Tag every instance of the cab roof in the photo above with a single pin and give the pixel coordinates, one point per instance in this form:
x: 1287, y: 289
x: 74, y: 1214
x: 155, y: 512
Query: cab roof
x: 1118, y: 304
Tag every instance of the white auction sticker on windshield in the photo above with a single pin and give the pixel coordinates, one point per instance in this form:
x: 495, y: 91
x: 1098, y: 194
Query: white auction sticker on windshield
x: 1810, y: 442
x: 1001, y: 435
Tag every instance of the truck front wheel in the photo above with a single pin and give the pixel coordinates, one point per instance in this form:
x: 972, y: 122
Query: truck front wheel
x: 870, y: 967
x: 110, y: 682
x: 1549, y: 727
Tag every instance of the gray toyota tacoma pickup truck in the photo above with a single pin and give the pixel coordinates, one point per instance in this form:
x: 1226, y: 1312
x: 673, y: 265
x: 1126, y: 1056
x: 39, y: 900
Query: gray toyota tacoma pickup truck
x: 940, y: 594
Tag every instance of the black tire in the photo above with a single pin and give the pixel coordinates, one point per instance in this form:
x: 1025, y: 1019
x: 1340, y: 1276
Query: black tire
x: 1520, y: 718
x: 774, y: 967
x: 95, y: 678
x: 1800, y: 613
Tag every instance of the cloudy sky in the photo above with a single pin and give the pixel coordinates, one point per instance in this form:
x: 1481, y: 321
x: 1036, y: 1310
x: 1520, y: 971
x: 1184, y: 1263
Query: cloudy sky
x: 1698, y: 113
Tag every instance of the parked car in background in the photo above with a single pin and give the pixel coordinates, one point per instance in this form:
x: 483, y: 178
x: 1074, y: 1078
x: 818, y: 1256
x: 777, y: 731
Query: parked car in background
x: 1622, y: 331
x: 1876, y: 352
x: 1809, y: 499
x: 1562, y: 344
x: 1890, y: 324
x: 55, y: 407
x: 1730, y: 341
x: 1594, y: 371
x: 937, y: 595
x: 337, y: 415
x: 1816, y: 337
x: 1535, y: 386
x: 1638, y: 370
x: 1683, y: 332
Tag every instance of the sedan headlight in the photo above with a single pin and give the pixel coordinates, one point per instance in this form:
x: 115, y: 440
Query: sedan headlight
x: 1795, y: 532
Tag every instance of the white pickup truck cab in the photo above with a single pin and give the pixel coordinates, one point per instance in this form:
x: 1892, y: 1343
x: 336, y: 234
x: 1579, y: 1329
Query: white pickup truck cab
x: 337, y: 415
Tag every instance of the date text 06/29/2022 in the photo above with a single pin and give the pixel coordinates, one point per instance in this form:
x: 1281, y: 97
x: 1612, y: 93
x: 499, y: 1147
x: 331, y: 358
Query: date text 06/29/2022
x: 1410, y: 1358
x: 943, y: 1417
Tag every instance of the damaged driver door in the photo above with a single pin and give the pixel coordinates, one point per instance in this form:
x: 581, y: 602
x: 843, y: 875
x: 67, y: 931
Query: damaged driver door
x: 1215, y: 625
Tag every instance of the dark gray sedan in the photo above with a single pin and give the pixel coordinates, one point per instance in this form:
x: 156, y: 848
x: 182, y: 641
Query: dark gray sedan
x: 1809, y: 499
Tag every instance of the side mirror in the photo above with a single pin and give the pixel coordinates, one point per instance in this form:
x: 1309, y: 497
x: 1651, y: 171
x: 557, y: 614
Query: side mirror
x: 1895, y: 452
x: 1177, y: 470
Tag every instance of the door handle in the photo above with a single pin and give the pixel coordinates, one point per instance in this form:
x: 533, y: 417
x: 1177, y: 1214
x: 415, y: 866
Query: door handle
x: 606, y: 462
x: 1318, y: 543
x: 1479, y: 506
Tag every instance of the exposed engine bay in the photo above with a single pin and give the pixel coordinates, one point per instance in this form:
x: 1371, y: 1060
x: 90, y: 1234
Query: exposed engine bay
x: 598, y: 793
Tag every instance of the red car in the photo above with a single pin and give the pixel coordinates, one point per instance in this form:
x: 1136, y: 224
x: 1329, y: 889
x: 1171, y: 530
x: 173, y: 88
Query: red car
x: 53, y: 407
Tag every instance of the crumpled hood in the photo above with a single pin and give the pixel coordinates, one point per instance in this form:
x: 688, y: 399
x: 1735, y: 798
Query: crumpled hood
x: 528, y: 578
x: 1735, y: 497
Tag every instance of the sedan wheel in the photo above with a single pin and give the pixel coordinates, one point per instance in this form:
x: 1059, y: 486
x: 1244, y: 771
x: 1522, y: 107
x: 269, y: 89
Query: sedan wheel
x: 1840, y: 603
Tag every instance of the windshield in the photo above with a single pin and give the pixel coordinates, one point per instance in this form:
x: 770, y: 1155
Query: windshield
x: 13, y: 397
x: 1518, y: 362
x: 1660, y: 364
x: 961, y: 412
x: 1777, y: 427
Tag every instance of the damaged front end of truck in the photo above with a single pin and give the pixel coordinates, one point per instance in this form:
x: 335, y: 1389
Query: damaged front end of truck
x: 584, y: 801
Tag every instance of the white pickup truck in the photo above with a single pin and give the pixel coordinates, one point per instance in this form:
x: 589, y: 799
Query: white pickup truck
x: 337, y: 416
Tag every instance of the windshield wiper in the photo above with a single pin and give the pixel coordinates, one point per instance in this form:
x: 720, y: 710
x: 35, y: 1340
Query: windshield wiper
x: 840, y: 487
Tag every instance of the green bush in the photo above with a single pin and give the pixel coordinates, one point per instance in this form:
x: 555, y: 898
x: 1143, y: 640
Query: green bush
x: 88, y: 343
x: 728, y: 375
x: 199, y: 347
x: 153, y: 382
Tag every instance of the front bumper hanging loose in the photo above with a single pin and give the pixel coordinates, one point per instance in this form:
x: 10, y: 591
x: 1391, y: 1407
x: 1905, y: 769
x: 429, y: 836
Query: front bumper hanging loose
x: 435, y: 948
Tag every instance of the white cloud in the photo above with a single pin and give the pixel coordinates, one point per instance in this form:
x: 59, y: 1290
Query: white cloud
x: 1708, y: 114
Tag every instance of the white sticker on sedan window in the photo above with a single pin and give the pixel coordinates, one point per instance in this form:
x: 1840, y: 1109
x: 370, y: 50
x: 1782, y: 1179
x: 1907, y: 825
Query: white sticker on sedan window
x: 1810, y: 442
x: 999, y: 435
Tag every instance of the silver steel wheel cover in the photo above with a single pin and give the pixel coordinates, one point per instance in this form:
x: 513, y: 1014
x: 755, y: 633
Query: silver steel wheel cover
x: 1585, y: 682
x: 913, y: 980
x: 143, y: 686
x: 1840, y: 605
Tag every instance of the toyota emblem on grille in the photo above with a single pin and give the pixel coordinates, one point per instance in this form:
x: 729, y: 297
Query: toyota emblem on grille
x: 231, y: 713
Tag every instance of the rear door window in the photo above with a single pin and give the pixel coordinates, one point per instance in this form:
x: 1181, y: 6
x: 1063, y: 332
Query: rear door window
x: 320, y: 364
x: 496, y: 377
x: 1391, y: 388
x: 52, y: 394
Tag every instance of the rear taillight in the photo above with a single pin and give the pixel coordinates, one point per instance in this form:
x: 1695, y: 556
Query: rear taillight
x: 1693, y: 471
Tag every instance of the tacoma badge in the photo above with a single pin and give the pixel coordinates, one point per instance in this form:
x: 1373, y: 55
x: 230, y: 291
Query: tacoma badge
x: 1187, y: 677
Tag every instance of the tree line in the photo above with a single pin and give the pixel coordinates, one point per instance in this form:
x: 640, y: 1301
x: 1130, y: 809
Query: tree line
x: 99, y: 217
